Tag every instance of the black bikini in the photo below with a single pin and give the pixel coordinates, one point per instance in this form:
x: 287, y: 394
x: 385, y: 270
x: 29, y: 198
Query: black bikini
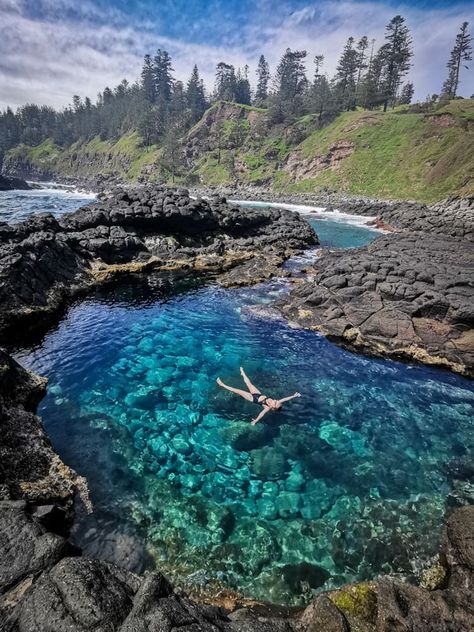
x: 257, y: 396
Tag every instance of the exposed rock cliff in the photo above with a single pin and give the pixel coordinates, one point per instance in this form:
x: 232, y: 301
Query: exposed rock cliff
x: 392, y: 155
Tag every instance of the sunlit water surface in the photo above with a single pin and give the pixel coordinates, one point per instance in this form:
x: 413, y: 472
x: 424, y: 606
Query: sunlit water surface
x: 348, y: 482
x: 16, y: 206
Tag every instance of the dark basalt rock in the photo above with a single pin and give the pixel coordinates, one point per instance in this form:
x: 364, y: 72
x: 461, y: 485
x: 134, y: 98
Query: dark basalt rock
x: 10, y: 184
x: 44, y: 583
x: 453, y: 217
x: 29, y: 467
x: 43, y: 588
x: 407, y: 295
x: 43, y: 260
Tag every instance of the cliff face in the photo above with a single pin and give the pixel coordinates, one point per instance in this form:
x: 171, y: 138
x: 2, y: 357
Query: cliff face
x: 396, y: 155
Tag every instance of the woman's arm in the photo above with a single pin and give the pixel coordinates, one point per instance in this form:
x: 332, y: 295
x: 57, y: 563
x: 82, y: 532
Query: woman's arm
x: 262, y: 414
x: 287, y: 399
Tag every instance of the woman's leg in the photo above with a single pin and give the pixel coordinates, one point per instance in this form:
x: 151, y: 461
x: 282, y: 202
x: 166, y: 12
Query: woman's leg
x: 237, y: 391
x: 252, y: 388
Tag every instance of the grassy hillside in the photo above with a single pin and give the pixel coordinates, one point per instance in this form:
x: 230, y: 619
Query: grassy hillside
x: 125, y: 157
x: 393, y: 155
x: 398, y: 155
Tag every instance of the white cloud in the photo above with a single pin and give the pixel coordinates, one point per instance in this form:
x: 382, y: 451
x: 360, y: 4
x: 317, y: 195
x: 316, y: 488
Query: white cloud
x: 79, y: 49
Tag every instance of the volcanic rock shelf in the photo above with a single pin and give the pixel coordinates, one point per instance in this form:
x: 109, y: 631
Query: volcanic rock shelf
x: 43, y: 261
x: 408, y: 295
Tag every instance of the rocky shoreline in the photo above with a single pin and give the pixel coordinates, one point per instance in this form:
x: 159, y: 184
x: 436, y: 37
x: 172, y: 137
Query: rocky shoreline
x: 406, y: 295
x: 11, y: 184
x: 44, y: 261
x: 45, y: 584
x: 453, y: 217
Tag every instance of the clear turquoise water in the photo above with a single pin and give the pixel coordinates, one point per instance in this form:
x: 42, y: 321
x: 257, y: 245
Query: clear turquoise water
x: 341, y: 235
x: 348, y: 482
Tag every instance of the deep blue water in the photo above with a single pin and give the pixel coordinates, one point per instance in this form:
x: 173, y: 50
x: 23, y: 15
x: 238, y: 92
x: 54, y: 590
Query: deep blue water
x: 16, y: 206
x: 348, y: 482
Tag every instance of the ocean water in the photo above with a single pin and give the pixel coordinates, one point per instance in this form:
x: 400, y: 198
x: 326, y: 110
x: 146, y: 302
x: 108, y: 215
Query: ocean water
x: 16, y: 206
x: 335, y: 229
x: 350, y: 481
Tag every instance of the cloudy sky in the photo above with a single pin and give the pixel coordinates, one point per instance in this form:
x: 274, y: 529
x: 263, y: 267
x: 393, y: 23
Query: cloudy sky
x: 52, y: 49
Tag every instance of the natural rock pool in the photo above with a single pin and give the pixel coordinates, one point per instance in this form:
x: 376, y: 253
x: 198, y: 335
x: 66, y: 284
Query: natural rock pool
x: 348, y: 482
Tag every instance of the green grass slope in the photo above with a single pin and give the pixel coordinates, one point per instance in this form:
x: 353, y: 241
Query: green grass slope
x: 126, y: 158
x: 396, y: 155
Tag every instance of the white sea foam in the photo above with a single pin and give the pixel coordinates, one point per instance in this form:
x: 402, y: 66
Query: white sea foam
x: 68, y: 190
x: 318, y: 212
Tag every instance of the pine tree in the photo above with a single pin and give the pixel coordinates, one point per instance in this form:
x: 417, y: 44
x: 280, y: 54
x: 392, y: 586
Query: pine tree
x: 362, y: 65
x: 320, y: 93
x: 226, y: 82
x: 263, y: 77
x: 195, y: 97
x: 397, y: 53
x: 372, y: 93
x: 290, y: 75
x: 242, y: 87
x: 178, y: 109
x: 162, y: 77
x: 148, y: 80
x: 462, y: 51
x: 346, y: 76
x: 171, y: 159
x: 407, y: 93
x: 290, y: 83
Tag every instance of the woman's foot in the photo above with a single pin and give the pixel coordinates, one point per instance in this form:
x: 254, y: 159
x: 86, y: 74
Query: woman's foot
x: 220, y: 382
x: 242, y: 372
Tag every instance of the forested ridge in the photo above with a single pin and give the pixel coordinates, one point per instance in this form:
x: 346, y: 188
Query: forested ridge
x: 161, y: 109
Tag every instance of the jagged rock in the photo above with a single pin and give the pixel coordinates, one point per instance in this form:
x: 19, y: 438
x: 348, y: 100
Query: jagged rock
x: 321, y: 615
x: 26, y: 546
x: 10, y: 184
x: 29, y: 467
x: 78, y: 594
x: 406, y: 295
x: 43, y: 261
x: 453, y: 217
x: 386, y: 605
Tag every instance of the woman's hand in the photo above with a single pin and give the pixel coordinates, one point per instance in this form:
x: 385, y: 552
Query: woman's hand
x: 297, y: 394
x: 254, y: 421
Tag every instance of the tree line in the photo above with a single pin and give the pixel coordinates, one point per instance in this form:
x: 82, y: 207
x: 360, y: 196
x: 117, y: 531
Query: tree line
x: 161, y: 108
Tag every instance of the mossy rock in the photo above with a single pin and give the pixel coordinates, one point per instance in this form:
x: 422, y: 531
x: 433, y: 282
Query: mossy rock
x: 434, y: 577
x: 359, y: 602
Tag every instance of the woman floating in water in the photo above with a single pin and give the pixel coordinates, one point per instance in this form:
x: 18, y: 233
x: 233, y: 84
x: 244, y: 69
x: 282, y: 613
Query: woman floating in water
x: 255, y: 396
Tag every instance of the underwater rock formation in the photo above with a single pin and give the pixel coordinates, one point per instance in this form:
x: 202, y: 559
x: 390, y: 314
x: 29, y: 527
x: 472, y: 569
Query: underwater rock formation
x: 44, y: 260
x: 46, y: 585
x: 407, y: 295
